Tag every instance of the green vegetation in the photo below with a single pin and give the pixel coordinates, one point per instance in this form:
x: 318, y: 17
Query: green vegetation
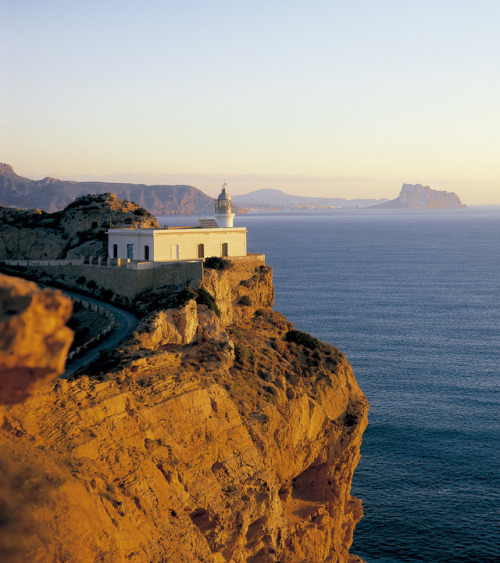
x: 206, y: 298
x: 91, y: 284
x: 216, y: 263
x: 311, y: 353
x: 184, y: 296
x: 303, y: 339
x: 242, y: 353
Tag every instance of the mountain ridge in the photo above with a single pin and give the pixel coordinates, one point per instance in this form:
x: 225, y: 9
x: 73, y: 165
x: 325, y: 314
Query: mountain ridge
x: 52, y: 194
x: 269, y: 197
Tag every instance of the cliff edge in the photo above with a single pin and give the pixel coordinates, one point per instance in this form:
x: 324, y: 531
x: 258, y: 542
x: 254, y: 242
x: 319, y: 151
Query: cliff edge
x: 217, y: 433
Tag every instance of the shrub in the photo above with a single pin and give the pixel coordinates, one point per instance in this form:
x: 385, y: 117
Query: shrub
x: 303, y: 339
x: 77, y: 306
x: 216, y: 263
x: 206, y: 298
x: 184, y: 296
x: 246, y: 301
x: 236, y: 333
x: 241, y: 352
x: 107, y: 294
x: 262, y: 312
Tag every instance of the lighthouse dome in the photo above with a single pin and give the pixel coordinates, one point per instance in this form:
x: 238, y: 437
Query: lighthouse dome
x: 223, y: 208
x: 224, y: 195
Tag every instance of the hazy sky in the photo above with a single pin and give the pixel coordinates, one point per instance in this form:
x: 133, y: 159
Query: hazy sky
x: 337, y: 98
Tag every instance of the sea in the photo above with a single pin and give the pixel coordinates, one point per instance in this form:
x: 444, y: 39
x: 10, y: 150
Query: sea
x: 413, y: 300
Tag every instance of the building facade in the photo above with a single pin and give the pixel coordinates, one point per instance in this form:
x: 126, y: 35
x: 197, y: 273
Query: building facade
x: 164, y: 245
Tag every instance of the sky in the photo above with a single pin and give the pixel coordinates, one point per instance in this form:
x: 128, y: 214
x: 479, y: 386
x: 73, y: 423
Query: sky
x: 333, y: 98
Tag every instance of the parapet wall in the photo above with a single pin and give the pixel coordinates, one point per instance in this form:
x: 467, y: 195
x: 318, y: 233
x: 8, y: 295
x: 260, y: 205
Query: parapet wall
x: 129, y: 279
x: 125, y: 281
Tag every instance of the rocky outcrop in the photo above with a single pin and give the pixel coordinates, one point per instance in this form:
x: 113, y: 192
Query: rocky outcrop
x: 214, y: 437
x: 422, y: 197
x: 52, y: 195
x: 34, y: 338
x: 78, y: 230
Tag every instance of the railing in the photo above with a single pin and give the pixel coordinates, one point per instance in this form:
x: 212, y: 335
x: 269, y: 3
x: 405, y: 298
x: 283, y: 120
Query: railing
x: 98, y: 261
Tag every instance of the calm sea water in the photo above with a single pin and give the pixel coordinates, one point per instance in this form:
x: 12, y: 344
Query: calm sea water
x: 412, y: 299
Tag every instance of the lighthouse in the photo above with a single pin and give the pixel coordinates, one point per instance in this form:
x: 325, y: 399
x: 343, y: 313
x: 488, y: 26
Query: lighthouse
x: 223, y: 209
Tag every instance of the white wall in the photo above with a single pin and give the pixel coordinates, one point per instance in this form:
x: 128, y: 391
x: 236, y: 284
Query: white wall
x: 162, y: 243
x: 138, y: 237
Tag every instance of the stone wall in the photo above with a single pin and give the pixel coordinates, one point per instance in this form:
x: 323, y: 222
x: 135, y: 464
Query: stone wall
x: 125, y: 281
x: 129, y: 279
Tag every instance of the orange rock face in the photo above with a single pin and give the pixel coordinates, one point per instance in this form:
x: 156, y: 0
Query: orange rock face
x: 34, y: 339
x: 237, y: 442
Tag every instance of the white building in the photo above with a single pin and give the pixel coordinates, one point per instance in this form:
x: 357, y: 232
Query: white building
x: 181, y: 243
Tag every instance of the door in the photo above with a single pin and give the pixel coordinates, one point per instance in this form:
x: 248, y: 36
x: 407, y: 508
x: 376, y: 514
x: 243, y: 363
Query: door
x: 130, y: 251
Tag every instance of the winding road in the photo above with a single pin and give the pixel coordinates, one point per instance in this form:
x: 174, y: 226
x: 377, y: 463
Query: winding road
x: 125, y: 325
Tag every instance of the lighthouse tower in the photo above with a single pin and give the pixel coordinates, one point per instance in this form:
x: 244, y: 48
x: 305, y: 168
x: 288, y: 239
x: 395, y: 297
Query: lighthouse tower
x: 223, y: 209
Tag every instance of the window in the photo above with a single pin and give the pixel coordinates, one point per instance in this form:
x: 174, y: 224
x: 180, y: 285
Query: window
x: 146, y: 252
x: 225, y: 249
x: 130, y: 251
x: 201, y: 251
x: 115, y: 251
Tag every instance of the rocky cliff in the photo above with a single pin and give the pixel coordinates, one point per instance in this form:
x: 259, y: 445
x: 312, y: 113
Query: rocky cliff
x: 34, y: 338
x: 78, y: 230
x: 52, y: 195
x: 217, y: 433
x: 422, y: 197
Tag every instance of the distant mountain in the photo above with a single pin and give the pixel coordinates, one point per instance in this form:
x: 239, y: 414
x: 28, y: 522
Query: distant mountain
x: 416, y: 196
x: 276, y: 199
x: 52, y: 195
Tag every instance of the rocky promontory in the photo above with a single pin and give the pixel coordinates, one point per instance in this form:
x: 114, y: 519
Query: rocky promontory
x: 218, y: 432
x: 422, y: 197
